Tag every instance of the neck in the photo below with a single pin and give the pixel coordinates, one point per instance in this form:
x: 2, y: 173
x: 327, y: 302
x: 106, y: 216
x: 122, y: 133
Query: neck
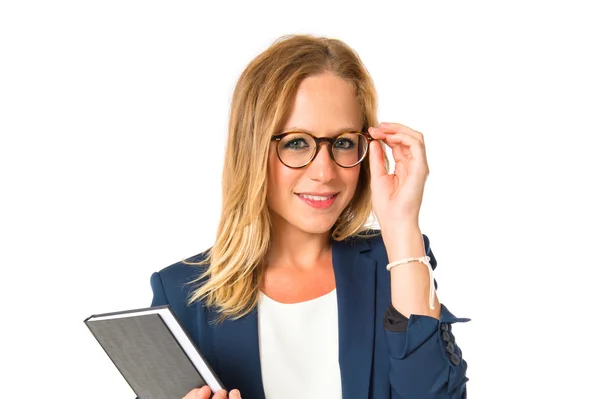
x: 293, y: 248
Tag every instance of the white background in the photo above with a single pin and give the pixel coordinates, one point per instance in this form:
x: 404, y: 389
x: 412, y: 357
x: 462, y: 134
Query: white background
x: 113, y: 120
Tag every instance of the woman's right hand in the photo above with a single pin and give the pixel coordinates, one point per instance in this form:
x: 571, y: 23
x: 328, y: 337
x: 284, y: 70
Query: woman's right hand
x: 204, y: 393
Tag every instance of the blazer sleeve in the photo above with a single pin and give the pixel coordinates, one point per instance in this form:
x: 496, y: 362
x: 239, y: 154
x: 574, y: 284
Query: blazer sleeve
x: 425, y: 361
x: 159, y: 296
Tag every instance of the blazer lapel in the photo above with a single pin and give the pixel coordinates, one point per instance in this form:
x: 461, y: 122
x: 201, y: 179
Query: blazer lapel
x: 236, y: 341
x: 355, y: 279
x: 238, y: 364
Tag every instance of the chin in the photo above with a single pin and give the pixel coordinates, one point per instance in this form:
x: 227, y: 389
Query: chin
x: 315, y: 227
x: 318, y: 230
x: 306, y: 222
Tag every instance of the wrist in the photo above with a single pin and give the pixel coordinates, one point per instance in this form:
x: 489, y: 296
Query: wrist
x: 405, y: 241
x: 398, y: 230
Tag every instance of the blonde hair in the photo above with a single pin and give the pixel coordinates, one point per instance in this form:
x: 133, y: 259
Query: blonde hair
x: 261, y: 103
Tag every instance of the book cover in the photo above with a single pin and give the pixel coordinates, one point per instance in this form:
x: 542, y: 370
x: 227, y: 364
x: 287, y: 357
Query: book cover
x: 153, y: 353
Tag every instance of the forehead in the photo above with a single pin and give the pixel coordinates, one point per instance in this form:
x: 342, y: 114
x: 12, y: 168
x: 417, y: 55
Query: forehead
x: 325, y: 105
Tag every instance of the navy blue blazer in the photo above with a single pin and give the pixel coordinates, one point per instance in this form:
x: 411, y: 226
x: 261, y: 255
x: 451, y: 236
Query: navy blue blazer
x: 422, y: 362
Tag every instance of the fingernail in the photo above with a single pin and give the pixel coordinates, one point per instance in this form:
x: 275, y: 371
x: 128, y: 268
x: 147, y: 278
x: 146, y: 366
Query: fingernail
x: 235, y: 394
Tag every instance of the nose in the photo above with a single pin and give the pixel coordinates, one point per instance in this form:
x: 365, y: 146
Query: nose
x: 323, y: 168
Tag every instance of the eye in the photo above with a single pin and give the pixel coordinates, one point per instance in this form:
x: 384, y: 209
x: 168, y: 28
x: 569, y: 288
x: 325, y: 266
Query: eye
x: 344, y: 144
x: 296, y: 143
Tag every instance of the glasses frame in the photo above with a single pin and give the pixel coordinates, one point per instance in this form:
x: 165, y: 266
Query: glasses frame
x: 319, y: 140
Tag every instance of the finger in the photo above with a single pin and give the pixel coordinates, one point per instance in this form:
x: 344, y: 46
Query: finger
x: 405, y: 146
x: 394, y: 136
x: 221, y: 394
x: 391, y: 136
x: 389, y: 126
x: 376, y: 160
x: 235, y: 394
x: 199, y: 393
x: 400, y: 152
x: 403, y: 136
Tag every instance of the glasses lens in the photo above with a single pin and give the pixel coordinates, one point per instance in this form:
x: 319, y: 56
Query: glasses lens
x: 349, y: 149
x: 296, y: 149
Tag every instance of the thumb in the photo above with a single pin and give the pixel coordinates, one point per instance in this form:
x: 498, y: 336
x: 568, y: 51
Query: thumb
x: 376, y: 160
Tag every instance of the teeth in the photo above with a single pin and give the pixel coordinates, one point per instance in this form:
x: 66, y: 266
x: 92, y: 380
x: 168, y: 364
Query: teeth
x: 316, y: 197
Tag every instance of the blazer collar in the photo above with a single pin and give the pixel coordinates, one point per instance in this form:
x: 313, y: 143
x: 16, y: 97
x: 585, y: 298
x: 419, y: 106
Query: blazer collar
x: 237, y: 346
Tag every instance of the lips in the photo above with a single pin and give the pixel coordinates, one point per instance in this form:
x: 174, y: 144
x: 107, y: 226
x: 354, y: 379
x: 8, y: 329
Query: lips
x: 317, y: 197
x: 320, y: 201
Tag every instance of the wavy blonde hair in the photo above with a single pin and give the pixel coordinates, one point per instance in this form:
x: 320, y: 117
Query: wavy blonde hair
x: 262, y: 100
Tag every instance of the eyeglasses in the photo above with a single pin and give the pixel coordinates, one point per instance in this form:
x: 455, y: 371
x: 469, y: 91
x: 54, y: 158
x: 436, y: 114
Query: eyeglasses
x: 298, y: 149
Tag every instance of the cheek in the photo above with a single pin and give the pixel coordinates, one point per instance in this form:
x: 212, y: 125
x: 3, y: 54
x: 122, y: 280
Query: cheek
x: 280, y: 178
x: 351, y: 179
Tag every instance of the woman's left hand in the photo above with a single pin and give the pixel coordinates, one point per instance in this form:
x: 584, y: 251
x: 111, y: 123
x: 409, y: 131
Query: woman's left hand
x: 397, y: 197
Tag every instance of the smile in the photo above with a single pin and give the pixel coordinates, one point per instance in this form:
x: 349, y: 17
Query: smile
x: 318, y: 201
x: 317, y: 197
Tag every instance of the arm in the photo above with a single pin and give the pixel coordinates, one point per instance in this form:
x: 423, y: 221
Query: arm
x: 158, y: 291
x: 420, y: 365
x: 425, y: 361
x: 410, y: 282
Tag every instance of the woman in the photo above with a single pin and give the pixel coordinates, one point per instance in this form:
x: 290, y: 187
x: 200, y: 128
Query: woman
x: 294, y: 300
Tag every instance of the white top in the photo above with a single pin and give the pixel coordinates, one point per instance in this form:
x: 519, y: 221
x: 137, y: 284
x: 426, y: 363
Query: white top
x: 298, y: 345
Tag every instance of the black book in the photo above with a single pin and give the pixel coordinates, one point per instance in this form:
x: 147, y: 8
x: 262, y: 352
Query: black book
x: 153, y: 352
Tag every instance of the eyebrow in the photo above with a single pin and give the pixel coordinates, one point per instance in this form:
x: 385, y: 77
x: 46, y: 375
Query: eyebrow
x: 335, y: 133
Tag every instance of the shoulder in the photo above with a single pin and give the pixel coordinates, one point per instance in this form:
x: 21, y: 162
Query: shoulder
x: 184, y: 269
x: 366, y: 240
x: 177, y: 280
x: 364, y: 236
x: 173, y: 286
